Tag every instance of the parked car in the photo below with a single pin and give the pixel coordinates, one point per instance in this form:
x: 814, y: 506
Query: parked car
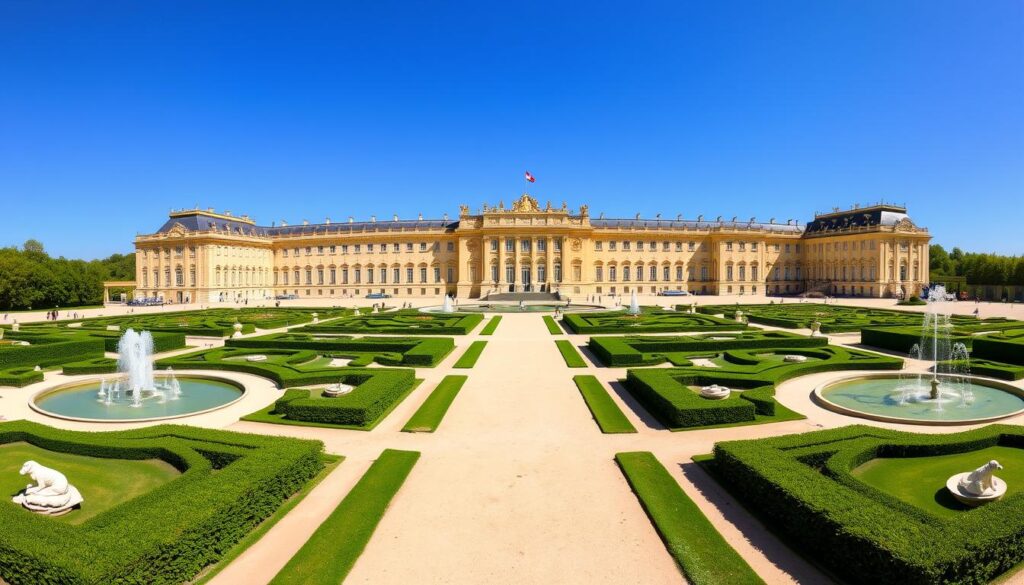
x: 674, y: 293
x: 378, y: 296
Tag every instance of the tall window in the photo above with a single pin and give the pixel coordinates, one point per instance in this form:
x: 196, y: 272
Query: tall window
x: 599, y: 274
x: 423, y: 275
x: 437, y: 274
x: 611, y: 273
x: 728, y: 272
x: 510, y: 244
x: 494, y: 273
x: 451, y: 275
x: 558, y: 273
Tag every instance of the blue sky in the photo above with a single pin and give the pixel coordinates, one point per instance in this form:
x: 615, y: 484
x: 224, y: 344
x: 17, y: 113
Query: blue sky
x: 113, y: 112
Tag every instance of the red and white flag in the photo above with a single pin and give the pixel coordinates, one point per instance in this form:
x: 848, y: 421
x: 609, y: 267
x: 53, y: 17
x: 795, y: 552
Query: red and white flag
x: 530, y: 177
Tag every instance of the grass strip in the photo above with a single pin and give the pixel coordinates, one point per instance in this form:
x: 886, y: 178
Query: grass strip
x: 701, y: 552
x: 330, y: 463
x: 332, y: 550
x: 428, y: 416
x: 468, y: 359
x: 491, y: 325
x: 552, y: 325
x: 572, y: 358
x: 607, y: 414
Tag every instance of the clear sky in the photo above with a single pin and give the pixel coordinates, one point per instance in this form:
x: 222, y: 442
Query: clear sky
x: 113, y: 112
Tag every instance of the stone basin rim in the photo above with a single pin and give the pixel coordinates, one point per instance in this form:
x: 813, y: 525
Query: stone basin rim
x: 818, y: 398
x: 159, y: 374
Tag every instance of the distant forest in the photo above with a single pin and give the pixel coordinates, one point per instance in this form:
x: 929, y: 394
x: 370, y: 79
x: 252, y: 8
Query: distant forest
x: 31, y: 279
x: 991, y: 269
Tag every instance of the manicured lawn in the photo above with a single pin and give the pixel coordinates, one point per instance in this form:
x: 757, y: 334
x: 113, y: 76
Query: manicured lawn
x: 552, y: 325
x: 605, y: 411
x: 468, y: 359
x: 330, y: 463
x: 433, y: 409
x: 572, y: 358
x: 921, y: 481
x: 702, y: 553
x: 329, y: 554
x: 491, y: 325
x: 104, y: 483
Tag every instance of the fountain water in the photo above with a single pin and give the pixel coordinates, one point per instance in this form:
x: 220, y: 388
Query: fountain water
x: 137, y: 381
x: 634, y: 305
x: 950, y: 370
x: 447, y: 307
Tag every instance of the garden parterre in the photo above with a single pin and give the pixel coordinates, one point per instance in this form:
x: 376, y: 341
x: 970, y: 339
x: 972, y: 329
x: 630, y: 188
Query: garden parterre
x: 229, y: 483
x: 671, y: 394
x: 402, y: 322
x: 650, y: 320
x: 804, y: 488
x: 629, y: 351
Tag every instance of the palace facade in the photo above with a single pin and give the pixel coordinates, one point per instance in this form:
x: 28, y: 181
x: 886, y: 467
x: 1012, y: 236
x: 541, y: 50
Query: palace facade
x: 203, y: 256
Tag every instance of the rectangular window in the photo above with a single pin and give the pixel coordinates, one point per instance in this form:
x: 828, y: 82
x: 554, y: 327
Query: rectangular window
x: 319, y: 275
x: 369, y: 248
x: 558, y: 244
x: 494, y: 270
x: 743, y: 272
x: 333, y: 249
x: 334, y: 274
x: 408, y: 248
x: 451, y: 246
x: 320, y: 250
x: 494, y: 245
x: 679, y: 272
x: 396, y: 274
x: 451, y: 275
x: 652, y: 273
x: 665, y: 272
x: 423, y: 275
x: 753, y: 273
x: 344, y: 276
x: 542, y: 246
x: 309, y: 277
x: 408, y: 276
x: 423, y: 246
x: 704, y: 273
x: 524, y: 245
x: 611, y: 273
x: 728, y: 246
x: 510, y: 245
x: 625, y: 246
x: 743, y: 246
x: 383, y: 275
x: 284, y: 253
x: 753, y: 246
x: 679, y: 246
x: 691, y: 246
x: 437, y: 274
x: 358, y: 248
x: 611, y: 246
x: 309, y: 250
x: 599, y: 274
x: 395, y: 247
x: 358, y: 275
x: 625, y: 274
x: 597, y: 246
x: 728, y: 273
x: 369, y: 276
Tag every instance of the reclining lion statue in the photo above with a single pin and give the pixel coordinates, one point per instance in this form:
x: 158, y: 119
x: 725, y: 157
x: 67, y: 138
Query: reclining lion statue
x: 51, y: 493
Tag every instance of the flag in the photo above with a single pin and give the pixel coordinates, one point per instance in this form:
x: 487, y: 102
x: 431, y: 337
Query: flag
x: 530, y: 178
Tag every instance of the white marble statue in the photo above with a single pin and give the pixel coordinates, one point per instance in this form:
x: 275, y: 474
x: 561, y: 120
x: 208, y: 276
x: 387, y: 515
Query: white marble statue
x: 51, y: 493
x: 981, y: 482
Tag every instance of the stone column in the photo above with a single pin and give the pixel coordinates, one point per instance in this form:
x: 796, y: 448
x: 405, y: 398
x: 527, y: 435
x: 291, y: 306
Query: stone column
x: 515, y: 264
x: 502, y: 285
x: 549, y: 253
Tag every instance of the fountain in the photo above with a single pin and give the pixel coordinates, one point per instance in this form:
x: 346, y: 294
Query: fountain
x: 339, y: 389
x: 715, y: 392
x: 634, y: 305
x: 134, y: 362
x: 446, y: 306
x: 946, y: 394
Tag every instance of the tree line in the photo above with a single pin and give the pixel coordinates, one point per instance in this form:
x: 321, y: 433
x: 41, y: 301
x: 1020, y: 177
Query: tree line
x: 991, y: 269
x: 31, y: 279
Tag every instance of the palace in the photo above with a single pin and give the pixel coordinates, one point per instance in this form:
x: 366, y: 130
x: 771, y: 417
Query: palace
x: 203, y: 256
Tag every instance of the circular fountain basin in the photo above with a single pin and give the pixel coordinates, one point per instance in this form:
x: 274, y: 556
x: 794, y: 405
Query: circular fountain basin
x: 892, y: 398
x: 80, y: 401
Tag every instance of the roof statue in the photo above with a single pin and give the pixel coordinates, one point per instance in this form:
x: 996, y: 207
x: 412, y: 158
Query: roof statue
x: 525, y: 204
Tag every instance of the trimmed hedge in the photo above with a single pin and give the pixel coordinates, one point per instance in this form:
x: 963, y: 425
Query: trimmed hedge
x: 802, y: 487
x: 1000, y: 348
x: 374, y: 395
x: 606, y: 413
x: 646, y: 351
x: 410, y: 351
x: 428, y: 416
x: 407, y: 322
x: 648, y: 321
x: 552, y: 325
x: 174, y: 531
x: 666, y: 392
x: 94, y: 366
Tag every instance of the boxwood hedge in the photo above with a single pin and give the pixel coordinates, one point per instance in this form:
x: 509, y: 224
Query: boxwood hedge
x: 404, y: 322
x: 230, y: 482
x: 648, y: 321
x: 667, y: 392
x: 375, y: 393
x: 803, y: 488
x: 650, y: 350
x: 410, y: 351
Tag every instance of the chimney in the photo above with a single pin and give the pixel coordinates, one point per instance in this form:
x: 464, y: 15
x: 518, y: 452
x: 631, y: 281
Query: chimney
x: 679, y: 217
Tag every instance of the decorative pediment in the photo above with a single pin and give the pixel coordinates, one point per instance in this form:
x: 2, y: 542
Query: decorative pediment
x: 177, y: 230
x: 525, y: 204
x: 905, y: 225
